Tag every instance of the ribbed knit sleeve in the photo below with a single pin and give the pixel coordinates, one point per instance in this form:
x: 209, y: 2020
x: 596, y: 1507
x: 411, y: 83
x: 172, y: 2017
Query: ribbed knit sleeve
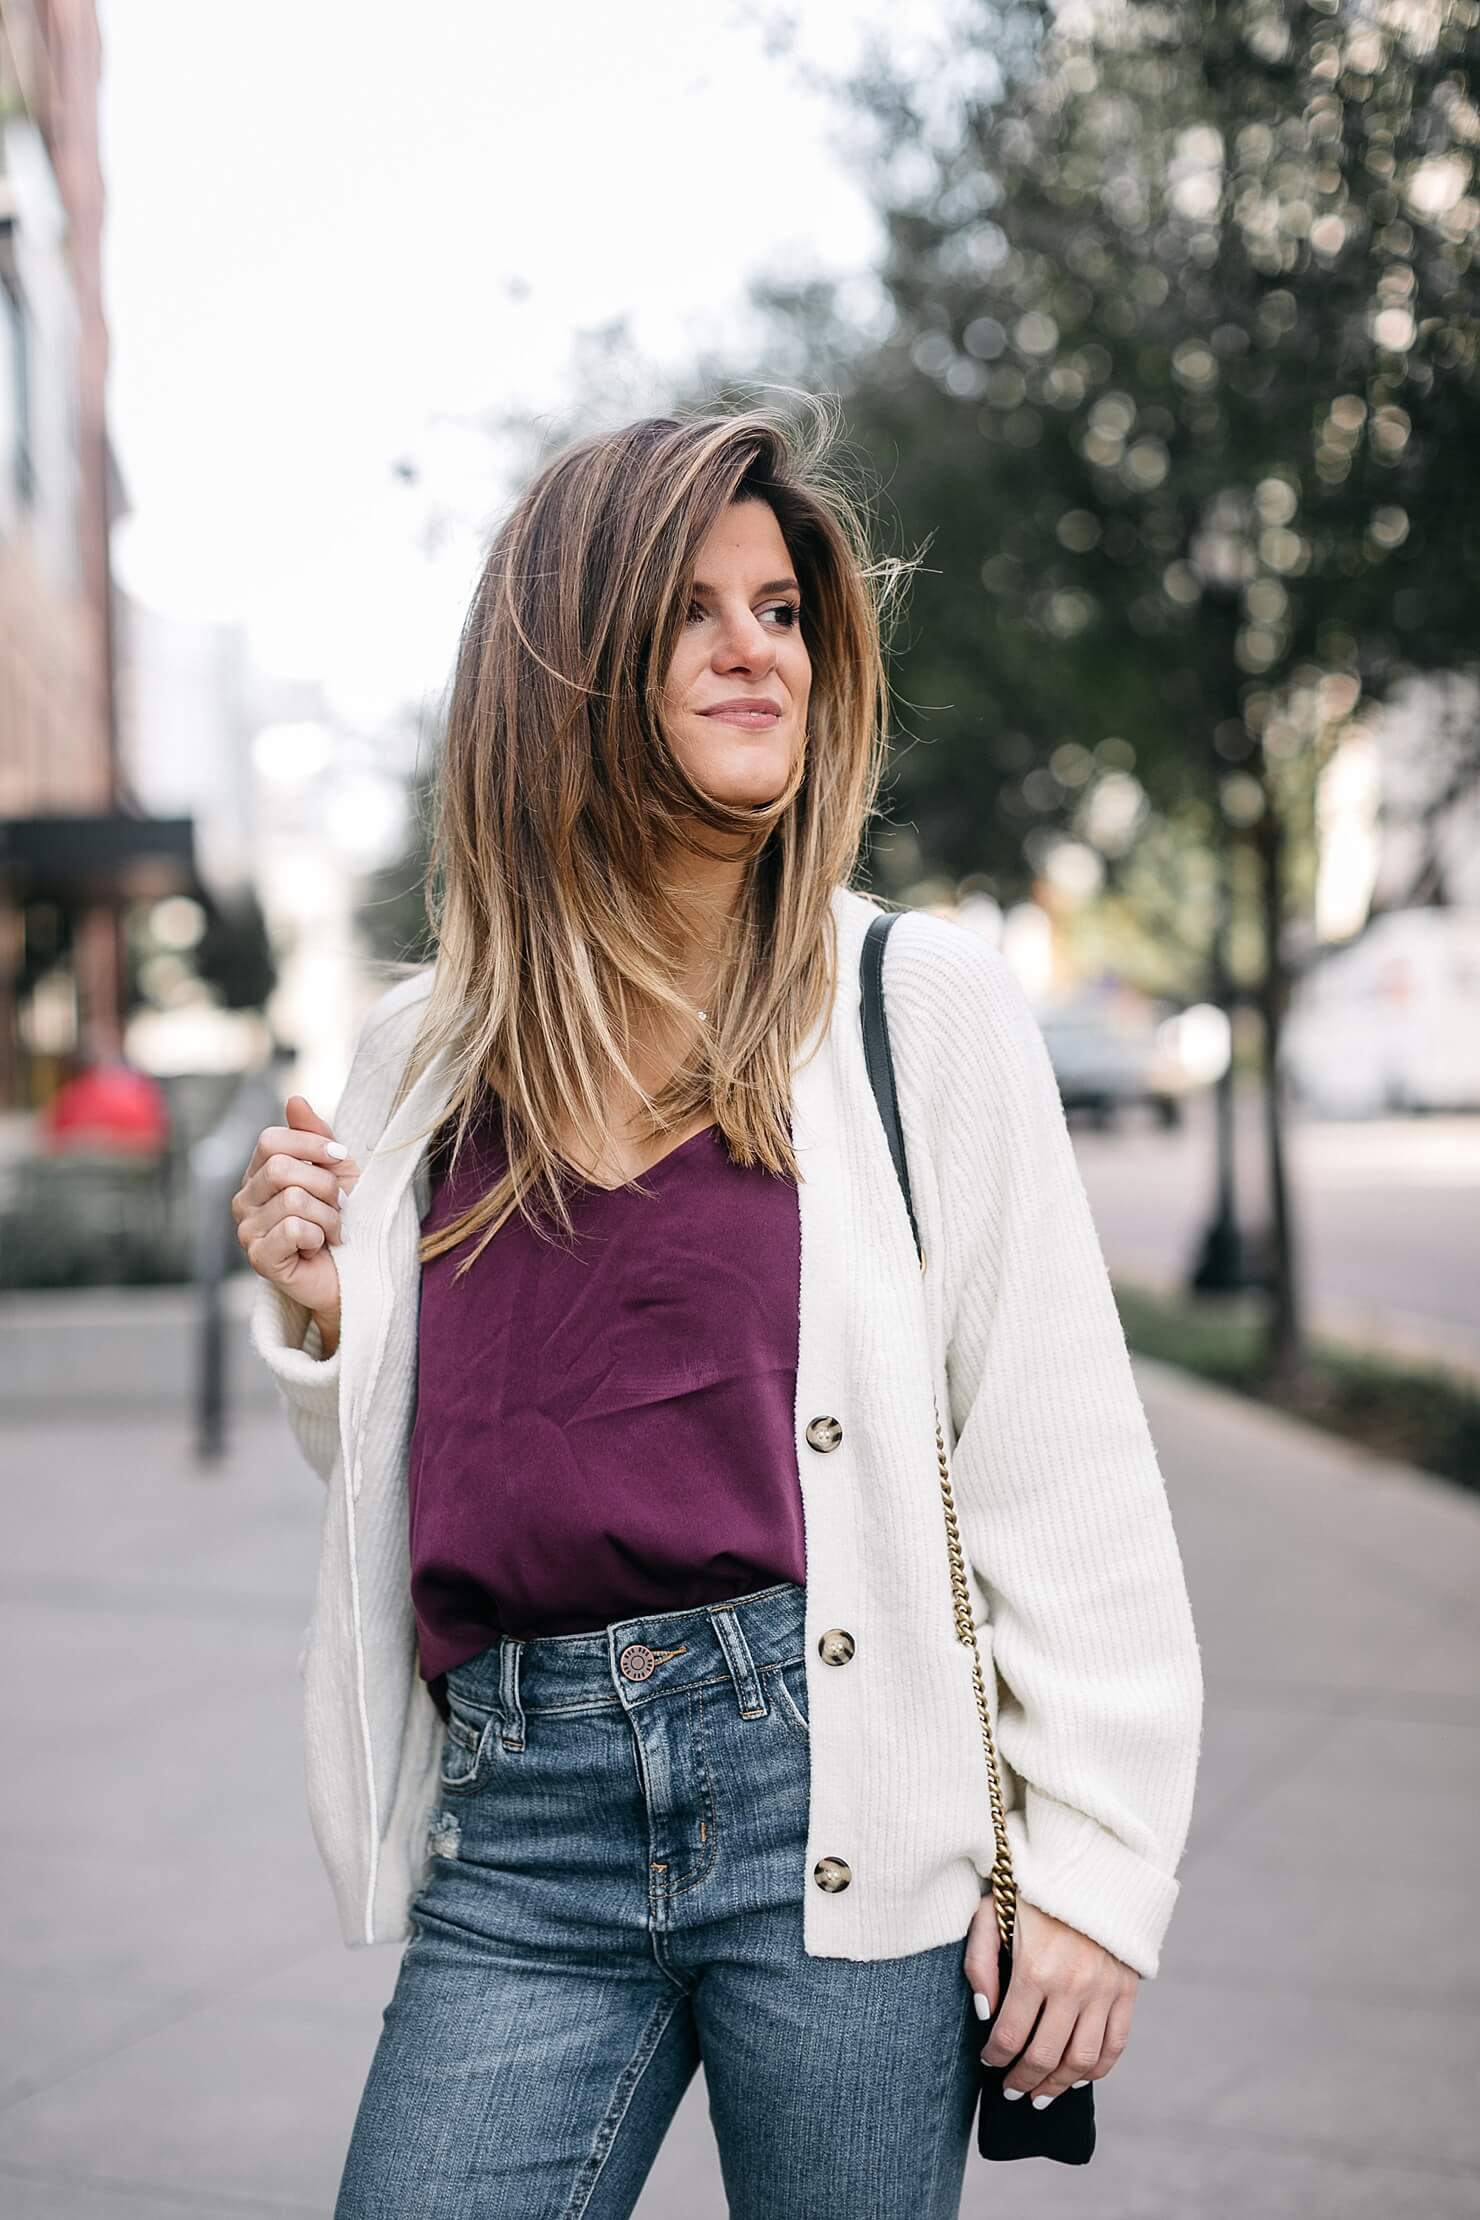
x: 283, y: 1332
x: 287, y: 1338
x: 1063, y: 1509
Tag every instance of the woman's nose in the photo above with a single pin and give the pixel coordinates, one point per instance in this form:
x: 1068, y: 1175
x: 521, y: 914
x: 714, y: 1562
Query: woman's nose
x: 744, y: 641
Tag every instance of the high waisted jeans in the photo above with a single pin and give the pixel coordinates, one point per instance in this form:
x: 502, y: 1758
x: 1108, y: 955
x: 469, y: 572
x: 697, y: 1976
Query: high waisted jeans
x: 616, y: 1892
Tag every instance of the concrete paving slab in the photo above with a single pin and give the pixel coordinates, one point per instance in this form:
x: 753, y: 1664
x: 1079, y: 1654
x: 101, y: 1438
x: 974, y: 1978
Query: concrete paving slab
x: 49, y: 2196
x: 1247, y: 1740
x: 56, y: 2022
x: 1215, y: 2177
x: 1417, y: 1781
x: 215, y: 2105
x: 128, y: 1514
x: 1346, y: 1938
x: 1388, y: 2080
x: 186, y: 1915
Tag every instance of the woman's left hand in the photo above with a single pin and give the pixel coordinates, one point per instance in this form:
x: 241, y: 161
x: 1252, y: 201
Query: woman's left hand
x: 1080, y: 1994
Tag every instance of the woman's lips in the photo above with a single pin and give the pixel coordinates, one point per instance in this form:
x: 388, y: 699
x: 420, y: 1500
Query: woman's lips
x: 748, y: 720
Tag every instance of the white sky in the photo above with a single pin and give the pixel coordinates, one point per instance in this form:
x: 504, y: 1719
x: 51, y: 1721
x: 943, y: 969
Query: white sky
x: 315, y: 212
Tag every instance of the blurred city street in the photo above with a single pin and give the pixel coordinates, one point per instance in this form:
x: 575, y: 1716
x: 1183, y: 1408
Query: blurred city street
x: 1389, y: 1217
x: 187, y: 2035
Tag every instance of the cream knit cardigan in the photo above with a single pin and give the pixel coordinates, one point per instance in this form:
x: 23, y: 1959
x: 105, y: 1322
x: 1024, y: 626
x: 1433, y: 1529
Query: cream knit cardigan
x: 1079, y: 1597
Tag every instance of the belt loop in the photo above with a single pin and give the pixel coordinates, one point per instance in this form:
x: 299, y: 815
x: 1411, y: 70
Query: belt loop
x: 748, y: 1688
x: 511, y: 1649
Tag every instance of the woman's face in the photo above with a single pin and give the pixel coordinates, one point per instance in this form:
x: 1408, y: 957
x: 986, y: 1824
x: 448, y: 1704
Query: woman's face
x: 737, y: 689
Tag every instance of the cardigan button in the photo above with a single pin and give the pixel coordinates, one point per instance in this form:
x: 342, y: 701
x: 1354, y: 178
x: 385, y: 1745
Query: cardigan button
x: 823, y: 1433
x: 836, y: 1646
x: 832, y: 1874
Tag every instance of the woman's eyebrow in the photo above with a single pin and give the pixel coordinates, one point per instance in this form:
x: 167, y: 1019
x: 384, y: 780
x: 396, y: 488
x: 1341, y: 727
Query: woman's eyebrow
x: 771, y: 586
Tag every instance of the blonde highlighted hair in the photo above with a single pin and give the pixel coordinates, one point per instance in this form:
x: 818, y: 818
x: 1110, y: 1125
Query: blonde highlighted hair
x: 559, y: 795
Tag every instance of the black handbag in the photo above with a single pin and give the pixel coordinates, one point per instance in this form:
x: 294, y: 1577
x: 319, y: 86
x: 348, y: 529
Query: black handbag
x: 1005, y: 2128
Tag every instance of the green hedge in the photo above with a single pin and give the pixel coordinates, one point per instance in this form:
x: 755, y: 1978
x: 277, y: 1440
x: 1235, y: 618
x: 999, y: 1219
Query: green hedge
x: 1420, y: 1415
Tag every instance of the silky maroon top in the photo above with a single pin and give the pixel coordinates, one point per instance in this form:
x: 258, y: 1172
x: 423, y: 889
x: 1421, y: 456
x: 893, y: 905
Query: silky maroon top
x: 605, y: 1427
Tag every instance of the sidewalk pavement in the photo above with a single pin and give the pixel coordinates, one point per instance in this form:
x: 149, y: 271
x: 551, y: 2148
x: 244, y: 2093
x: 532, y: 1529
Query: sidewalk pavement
x: 186, y: 2036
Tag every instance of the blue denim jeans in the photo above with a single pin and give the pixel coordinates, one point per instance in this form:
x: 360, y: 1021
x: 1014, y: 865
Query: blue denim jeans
x: 615, y: 1893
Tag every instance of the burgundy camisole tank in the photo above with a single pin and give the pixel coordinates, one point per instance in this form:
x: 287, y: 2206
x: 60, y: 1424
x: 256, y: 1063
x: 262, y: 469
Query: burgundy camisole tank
x: 605, y: 1425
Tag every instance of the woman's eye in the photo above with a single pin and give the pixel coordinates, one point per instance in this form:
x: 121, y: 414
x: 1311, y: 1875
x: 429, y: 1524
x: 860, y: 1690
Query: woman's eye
x: 789, y: 612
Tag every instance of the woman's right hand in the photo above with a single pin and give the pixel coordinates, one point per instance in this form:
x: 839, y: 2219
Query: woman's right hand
x: 287, y: 1211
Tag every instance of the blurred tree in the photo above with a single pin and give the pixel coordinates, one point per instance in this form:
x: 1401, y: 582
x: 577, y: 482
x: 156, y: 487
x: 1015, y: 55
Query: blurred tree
x: 1178, y: 381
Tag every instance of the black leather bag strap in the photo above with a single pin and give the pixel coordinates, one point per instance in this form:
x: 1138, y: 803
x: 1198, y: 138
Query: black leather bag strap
x: 876, y: 1055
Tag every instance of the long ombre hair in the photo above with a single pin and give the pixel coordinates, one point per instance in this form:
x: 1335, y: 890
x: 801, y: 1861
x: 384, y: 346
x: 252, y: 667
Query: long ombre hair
x: 559, y: 795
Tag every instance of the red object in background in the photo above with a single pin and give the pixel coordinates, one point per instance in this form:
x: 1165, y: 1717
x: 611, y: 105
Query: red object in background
x: 108, y: 1106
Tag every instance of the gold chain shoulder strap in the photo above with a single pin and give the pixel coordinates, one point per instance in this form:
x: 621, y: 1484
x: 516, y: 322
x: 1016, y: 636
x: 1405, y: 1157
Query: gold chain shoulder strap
x: 1004, y: 1887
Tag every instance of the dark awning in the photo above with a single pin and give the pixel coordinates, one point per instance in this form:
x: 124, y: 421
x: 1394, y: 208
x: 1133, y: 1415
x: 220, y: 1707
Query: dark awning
x: 67, y: 858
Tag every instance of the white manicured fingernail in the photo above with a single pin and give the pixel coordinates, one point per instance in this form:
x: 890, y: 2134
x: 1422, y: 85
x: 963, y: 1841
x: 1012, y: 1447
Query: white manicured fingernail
x: 1040, y: 2102
x: 1082, y: 2084
x: 336, y: 1149
x: 343, y: 1198
x: 1010, y: 2094
x: 983, y: 2007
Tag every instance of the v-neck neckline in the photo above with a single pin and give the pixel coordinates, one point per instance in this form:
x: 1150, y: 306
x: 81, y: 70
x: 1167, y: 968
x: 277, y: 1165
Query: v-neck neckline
x: 581, y: 1185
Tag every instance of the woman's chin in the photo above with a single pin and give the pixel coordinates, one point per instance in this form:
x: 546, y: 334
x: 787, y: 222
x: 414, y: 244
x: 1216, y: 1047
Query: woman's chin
x: 749, y: 779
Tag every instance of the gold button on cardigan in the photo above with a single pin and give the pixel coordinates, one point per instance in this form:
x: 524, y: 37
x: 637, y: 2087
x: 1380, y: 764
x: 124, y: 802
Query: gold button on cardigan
x: 1080, y: 1603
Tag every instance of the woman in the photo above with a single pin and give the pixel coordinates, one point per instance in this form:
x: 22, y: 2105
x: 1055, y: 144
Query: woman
x: 634, y: 1695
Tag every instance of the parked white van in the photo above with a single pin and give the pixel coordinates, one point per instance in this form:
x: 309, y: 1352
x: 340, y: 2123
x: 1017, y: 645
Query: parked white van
x: 1392, y: 1021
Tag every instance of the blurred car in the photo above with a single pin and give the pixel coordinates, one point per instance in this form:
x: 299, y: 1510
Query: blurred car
x: 1391, y: 1022
x: 1112, y: 1050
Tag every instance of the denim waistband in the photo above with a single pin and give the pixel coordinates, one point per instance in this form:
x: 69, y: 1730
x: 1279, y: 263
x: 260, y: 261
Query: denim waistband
x: 639, y: 1660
